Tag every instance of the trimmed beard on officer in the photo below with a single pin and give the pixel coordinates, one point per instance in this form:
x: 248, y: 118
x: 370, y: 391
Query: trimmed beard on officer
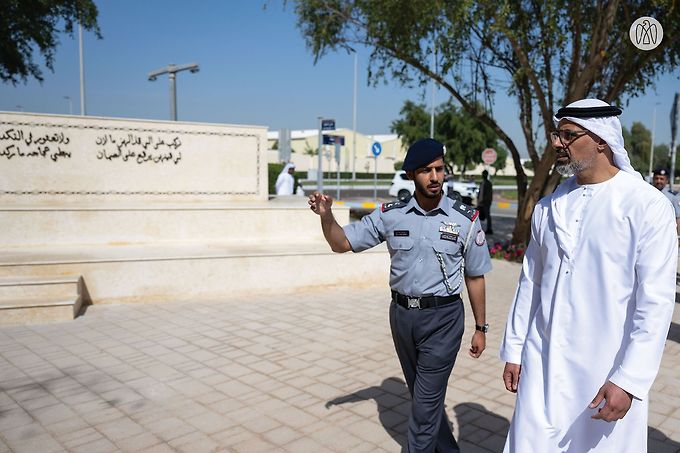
x: 436, y: 244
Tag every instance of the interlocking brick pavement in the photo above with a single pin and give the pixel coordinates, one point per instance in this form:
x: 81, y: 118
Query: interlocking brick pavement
x: 308, y: 372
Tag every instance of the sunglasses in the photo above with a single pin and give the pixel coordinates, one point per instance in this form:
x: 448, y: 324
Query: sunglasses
x: 566, y: 135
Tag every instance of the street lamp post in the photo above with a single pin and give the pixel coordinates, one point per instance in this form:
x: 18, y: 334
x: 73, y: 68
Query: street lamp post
x: 171, y: 70
x: 82, y: 70
x: 70, y: 104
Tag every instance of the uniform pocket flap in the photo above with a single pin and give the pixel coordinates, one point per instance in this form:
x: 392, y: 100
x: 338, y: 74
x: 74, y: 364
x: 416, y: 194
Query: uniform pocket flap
x: 448, y: 247
x: 400, y: 243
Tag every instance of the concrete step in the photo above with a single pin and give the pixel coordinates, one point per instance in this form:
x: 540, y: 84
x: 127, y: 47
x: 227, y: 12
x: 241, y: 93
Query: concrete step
x: 190, y: 272
x: 27, y: 288
x: 35, y: 300
x: 39, y: 310
x: 270, y: 222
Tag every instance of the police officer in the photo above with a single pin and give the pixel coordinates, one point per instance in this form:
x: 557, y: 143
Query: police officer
x: 435, y: 243
x: 660, y: 181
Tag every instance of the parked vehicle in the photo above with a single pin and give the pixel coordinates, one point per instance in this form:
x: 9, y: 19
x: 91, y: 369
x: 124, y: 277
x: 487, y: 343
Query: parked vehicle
x: 403, y: 188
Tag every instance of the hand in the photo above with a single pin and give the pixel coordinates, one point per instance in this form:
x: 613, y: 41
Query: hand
x: 478, y: 344
x: 617, y: 403
x: 511, y: 374
x: 319, y: 203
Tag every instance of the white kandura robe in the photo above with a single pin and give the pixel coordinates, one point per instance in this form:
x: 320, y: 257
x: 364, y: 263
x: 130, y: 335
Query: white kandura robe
x: 285, y: 182
x: 594, y: 303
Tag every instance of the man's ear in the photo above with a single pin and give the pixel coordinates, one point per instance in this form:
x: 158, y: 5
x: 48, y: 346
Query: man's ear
x: 410, y: 174
x: 601, y: 145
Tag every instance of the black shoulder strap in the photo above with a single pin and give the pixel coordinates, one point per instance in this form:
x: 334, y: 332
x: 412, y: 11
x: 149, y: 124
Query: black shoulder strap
x: 468, y: 211
x: 393, y: 205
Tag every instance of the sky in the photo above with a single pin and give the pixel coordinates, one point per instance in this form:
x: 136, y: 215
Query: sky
x: 254, y: 70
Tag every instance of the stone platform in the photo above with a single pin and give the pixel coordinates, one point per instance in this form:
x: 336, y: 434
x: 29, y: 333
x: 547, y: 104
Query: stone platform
x: 128, y: 252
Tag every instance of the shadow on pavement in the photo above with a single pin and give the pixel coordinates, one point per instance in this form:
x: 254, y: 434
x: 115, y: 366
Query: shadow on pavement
x: 393, y: 400
x: 658, y: 442
x: 674, y: 332
x: 480, y: 425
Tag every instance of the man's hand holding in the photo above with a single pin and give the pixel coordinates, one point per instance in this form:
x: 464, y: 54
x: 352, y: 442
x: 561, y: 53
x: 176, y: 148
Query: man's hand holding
x: 511, y: 376
x: 617, y: 402
x: 320, y: 203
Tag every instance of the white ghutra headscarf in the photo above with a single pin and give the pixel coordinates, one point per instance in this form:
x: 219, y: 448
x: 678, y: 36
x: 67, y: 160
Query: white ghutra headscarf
x: 603, y: 122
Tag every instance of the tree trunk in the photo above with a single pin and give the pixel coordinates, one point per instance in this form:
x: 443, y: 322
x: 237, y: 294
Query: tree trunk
x: 541, y: 184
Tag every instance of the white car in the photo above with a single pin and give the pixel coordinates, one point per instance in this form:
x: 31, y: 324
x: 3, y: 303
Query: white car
x: 403, y: 188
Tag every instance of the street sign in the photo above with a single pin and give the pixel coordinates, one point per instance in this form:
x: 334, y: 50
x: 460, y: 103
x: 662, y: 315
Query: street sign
x: 327, y: 125
x: 489, y: 156
x: 376, y: 149
x: 334, y: 140
x: 337, y: 154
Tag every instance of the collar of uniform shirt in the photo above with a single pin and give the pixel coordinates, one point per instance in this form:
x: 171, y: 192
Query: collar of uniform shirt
x: 442, y: 207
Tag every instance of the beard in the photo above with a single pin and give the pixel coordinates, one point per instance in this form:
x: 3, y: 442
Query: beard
x: 423, y: 190
x: 574, y: 167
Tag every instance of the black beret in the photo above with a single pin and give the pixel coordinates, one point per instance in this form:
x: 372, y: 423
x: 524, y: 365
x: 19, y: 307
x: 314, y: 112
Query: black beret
x: 422, y: 153
x: 662, y: 172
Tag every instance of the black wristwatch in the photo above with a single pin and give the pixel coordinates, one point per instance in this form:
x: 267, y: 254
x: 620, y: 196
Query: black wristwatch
x: 484, y: 328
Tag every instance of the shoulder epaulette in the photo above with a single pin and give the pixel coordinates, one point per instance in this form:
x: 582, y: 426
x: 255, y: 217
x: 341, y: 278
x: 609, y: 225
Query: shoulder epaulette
x: 468, y: 211
x: 392, y: 205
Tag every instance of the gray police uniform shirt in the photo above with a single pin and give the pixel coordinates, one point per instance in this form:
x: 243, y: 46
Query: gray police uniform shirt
x: 674, y: 199
x: 416, y: 239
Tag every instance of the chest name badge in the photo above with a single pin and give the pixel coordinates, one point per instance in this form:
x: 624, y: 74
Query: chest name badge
x: 449, y: 237
x: 401, y: 233
x: 449, y: 231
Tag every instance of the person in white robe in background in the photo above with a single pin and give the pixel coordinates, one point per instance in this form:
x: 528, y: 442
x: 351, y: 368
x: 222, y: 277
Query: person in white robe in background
x: 593, y: 306
x: 285, y: 182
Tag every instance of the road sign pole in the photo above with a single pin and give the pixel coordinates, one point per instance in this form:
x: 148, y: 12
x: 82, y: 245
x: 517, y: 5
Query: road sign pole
x: 376, y: 149
x: 319, y: 173
x: 337, y: 161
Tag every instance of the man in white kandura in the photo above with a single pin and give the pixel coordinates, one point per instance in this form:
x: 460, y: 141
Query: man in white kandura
x: 594, y: 302
x: 285, y: 182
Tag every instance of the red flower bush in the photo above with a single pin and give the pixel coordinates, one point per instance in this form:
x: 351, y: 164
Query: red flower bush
x: 507, y: 251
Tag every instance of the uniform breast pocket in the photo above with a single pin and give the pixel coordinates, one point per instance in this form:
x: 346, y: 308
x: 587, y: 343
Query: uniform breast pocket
x: 400, y: 244
x: 449, y: 251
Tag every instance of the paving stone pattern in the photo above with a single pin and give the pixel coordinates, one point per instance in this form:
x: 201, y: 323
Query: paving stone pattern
x: 308, y: 372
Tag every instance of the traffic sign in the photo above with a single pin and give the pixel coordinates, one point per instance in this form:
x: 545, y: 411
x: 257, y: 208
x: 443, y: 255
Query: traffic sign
x: 376, y: 148
x: 489, y: 156
x: 333, y: 140
x: 327, y: 125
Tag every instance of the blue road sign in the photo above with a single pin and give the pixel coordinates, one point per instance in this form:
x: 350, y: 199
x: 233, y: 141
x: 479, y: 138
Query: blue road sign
x: 376, y: 148
x: 334, y: 139
x: 327, y: 125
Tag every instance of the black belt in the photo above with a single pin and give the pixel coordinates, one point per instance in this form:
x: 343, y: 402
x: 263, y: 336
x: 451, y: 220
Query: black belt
x: 424, y: 301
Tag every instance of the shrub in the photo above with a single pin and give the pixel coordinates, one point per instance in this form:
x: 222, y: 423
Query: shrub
x: 507, y: 251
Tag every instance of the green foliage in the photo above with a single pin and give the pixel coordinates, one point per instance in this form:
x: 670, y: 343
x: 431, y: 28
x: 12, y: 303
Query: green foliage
x: 29, y: 25
x: 398, y: 164
x: 464, y: 136
x: 638, y: 142
x: 274, y: 170
x: 502, y: 159
x: 542, y: 54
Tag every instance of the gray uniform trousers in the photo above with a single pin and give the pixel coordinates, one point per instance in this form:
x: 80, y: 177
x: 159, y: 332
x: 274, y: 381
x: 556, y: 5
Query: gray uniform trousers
x: 427, y: 342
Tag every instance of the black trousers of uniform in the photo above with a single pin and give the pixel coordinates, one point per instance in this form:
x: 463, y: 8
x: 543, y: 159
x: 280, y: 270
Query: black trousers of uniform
x: 427, y: 343
x: 485, y: 213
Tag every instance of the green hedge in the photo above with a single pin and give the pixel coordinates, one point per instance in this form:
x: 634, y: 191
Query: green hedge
x: 274, y: 171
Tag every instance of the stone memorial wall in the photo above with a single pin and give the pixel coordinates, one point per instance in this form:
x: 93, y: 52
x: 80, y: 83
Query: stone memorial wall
x: 56, y: 158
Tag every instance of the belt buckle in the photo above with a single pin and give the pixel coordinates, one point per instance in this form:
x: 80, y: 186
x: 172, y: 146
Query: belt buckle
x: 413, y: 302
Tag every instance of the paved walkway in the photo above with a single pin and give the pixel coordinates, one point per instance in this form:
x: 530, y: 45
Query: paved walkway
x: 308, y: 372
